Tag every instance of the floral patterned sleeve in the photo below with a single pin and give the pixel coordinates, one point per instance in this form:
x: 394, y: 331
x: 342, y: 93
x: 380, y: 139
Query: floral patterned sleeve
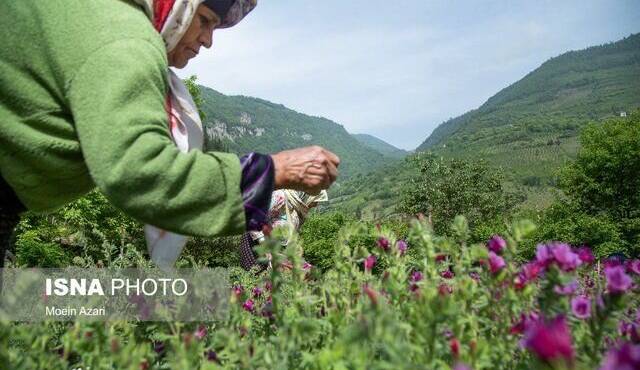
x: 258, y: 181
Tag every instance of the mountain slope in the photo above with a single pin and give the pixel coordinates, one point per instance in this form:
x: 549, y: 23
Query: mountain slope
x: 530, y: 127
x: 244, y: 124
x: 380, y: 146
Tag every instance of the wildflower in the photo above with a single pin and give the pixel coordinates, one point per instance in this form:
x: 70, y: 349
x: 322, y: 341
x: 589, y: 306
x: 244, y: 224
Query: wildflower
x: 633, y: 266
x: 612, y: 261
x: 144, y: 365
x: 496, y: 244
x: 402, y: 246
x: 306, y: 266
x: 237, y: 290
x: 369, y: 262
x: 440, y: 257
x: 617, y: 280
x: 565, y: 258
x: 581, y: 307
x: 444, y: 289
x: 257, y: 292
x: 550, y: 341
x: 416, y: 276
x: 158, y: 347
x: 568, y: 289
x: 268, y: 286
x: 447, y: 274
x: 461, y: 366
x: 544, y: 257
x: 525, y: 322
x: 211, y: 356
x: 267, y: 310
x: 454, y: 345
x: 625, y: 356
x: 585, y: 254
x: 383, y: 243
x: 496, y: 263
x: 373, y: 296
x: 474, y: 275
x: 248, y: 305
x: 201, y: 332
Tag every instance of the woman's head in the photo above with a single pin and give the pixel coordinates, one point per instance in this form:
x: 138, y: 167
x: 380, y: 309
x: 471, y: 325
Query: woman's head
x: 198, y: 34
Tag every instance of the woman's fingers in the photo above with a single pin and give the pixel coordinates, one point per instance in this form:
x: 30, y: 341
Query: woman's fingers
x: 309, y: 169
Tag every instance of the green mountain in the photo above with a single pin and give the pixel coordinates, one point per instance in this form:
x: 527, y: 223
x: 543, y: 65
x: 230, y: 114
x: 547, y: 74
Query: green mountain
x: 530, y: 128
x: 380, y: 146
x: 241, y: 124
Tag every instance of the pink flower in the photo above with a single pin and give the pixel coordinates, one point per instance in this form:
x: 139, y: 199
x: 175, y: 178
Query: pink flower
x: 402, y: 246
x: 447, y: 274
x: 444, y: 289
x: 550, y: 341
x: 383, y: 243
x: 454, y: 345
x: 413, y: 280
x: 624, y: 357
x: 585, y: 254
x: 633, y: 266
x: 612, y: 262
x: 525, y: 322
x: 564, y: 256
x: 257, y: 292
x: 306, y: 266
x: 531, y: 270
x: 544, y: 257
x: 617, y: 280
x: 568, y: 289
x: 248, y: 305
x: 201, y: 332
x: 496, y: 244
x: 496, y: 263
x: 237, y: 290
x: 461, y: 366
x: 369, y: 262
x: 581, y: 307
x: 440, y: 257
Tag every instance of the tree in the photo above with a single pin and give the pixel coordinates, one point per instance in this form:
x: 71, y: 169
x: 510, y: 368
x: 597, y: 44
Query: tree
x: 447, y: 188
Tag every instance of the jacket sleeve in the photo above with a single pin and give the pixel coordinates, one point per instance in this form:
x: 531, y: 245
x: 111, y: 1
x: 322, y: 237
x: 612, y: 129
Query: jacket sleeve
x: 117, y: 102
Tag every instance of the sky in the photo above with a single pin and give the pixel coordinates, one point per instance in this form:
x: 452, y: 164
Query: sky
x: 397, y: 69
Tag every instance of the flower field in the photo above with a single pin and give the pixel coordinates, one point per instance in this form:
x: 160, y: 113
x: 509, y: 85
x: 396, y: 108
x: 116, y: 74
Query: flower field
x: 424, y: 302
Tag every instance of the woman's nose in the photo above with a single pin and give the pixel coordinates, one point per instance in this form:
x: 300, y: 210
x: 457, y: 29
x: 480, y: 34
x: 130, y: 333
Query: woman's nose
x: 207, y: 38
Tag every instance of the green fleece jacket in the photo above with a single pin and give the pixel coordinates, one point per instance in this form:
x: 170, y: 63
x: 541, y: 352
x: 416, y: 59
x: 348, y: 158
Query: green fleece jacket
x: 82, y: 93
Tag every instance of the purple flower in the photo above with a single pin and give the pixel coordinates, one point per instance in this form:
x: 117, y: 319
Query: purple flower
x: 212, y: 356
x: 496, y: 244
x: 624, y: 357
x: 633, y: 266
x: 369, y: 262
x: 201, y: 332
x: 543, y: 255
x: 402, y: 246
x: 461, y: 366
x: 612, y: 262
x: 617, y: 280
x: 416, y: 276
x: 306, y: 266
x: 496, y: 263
x: 248, y: 305
x: 566, y: 259
x: 158, y: 347
x: 383, y: 243
x: 257, y: 292
x: 447, y: 274
x: 550, y: 341
x: 525, y: 322
x: 237, y: 290
x: 568, y: 289
x: 585, y: 254
x: 581, y: 307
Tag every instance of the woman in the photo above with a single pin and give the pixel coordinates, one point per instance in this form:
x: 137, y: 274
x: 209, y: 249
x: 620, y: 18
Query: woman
x: 87, y: 100
x: 288, y: 210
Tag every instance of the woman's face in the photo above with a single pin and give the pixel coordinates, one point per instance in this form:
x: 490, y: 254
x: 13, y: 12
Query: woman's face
x: 199, y: 33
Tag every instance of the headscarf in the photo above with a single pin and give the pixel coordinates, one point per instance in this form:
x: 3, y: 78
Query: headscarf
x: 172, y: 18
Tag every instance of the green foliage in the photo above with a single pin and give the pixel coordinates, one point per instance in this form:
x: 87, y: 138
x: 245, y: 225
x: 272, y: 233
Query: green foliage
x: 196, y: 94
x: 447, y: 188
x: 601, y: 202
x: 318, y: 235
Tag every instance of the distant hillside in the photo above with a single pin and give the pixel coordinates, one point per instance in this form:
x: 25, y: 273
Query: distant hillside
x: 243, y: 124
x: 380, y: 146
x: 530, y: 127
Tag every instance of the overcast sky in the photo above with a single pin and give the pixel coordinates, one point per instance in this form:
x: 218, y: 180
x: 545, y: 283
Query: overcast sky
x: 397, y: 69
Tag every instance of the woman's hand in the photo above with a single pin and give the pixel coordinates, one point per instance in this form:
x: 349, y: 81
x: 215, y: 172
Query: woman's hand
x: 309, y: 169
